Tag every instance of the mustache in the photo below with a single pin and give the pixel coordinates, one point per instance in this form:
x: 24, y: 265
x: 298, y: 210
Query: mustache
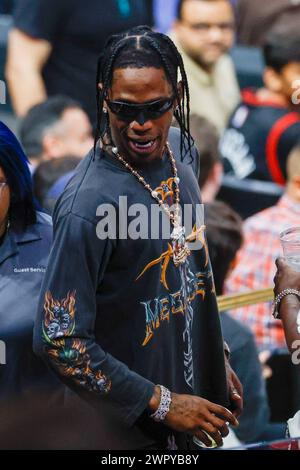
x: 217, y: 44
x: 127, y: 128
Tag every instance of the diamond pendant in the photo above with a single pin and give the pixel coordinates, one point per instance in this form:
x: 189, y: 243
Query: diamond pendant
x: 178, y: 232
x: 180, y: 248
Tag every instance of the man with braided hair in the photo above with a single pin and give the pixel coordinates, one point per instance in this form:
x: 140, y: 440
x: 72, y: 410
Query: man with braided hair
x: 146, y: 327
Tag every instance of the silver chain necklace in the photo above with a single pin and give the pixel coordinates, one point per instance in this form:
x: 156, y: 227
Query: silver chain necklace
x: 178, y: 237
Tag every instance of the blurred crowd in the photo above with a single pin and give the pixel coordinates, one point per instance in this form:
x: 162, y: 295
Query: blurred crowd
x: 242, y: 59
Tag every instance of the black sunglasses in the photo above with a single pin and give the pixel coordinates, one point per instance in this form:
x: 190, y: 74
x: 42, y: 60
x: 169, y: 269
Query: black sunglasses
x: 140, y: 112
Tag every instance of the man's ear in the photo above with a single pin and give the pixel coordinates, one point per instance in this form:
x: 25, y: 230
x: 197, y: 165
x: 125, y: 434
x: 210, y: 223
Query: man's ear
x: 272, y: 80
x: 296, y: 181
x: 176, y: 26
x: 53, y: 146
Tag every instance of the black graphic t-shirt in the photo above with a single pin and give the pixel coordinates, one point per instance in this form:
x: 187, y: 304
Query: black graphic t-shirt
x: 116, y: 316
x: 258, y: 139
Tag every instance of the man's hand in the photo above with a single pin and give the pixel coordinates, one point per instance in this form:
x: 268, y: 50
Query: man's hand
x: 193, y: 415
x: 286, y: 277
x: 235, y: 390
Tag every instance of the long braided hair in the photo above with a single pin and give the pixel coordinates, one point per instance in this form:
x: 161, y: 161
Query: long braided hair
x: 138, y: 48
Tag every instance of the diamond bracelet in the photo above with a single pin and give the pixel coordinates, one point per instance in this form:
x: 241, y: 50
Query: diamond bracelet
x: 279, y: 298
x: 164, y: 405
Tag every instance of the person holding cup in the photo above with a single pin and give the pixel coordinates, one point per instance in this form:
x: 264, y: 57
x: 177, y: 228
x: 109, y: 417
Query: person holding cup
x: 287, y: 309
x: 290, y: 242
x: 255, y: 263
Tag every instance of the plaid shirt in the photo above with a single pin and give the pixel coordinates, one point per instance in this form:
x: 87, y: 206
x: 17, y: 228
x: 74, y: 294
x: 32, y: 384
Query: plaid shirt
x: 255, y: 269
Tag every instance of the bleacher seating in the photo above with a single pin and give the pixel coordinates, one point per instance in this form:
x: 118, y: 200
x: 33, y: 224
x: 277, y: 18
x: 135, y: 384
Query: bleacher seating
x: 247, y: 197
x: 249, y: 64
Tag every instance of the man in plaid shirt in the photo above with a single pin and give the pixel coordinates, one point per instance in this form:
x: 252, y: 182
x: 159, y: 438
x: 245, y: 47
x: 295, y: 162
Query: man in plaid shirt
x: 255, y: 264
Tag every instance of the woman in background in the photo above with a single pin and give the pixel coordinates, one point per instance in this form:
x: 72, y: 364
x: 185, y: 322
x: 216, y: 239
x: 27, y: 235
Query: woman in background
x: 25, y: 241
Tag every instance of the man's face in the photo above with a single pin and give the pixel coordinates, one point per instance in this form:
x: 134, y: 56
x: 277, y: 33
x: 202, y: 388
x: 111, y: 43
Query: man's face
x: 71, y: 136
x: 138, y: 86
x: 206, y: 30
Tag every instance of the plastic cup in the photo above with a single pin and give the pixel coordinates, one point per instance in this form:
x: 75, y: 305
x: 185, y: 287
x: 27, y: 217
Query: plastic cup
x: 290, y: 242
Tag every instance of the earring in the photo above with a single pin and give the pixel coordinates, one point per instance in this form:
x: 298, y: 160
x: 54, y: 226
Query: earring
x: 104, y: 110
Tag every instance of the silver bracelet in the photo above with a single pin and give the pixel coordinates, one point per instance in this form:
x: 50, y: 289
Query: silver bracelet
x: 279, y: 298
x: 164, y: 405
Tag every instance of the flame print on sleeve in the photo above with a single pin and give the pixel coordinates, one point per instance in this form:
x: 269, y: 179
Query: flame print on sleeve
x: 69, y: 355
